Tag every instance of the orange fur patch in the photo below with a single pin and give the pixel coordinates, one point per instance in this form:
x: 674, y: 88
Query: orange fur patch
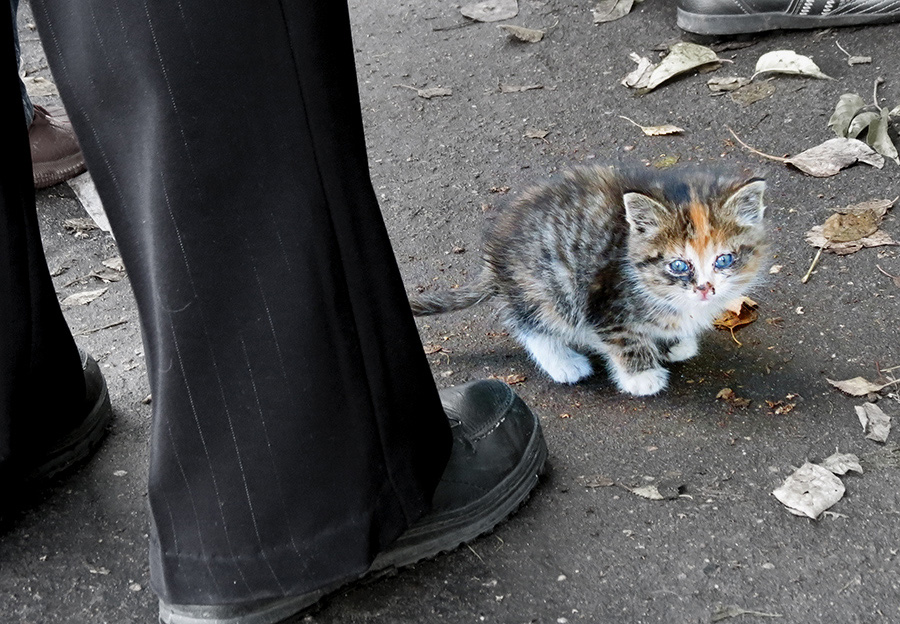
x: 699, y: 216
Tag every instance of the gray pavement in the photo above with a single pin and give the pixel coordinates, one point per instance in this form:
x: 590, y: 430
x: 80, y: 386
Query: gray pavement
x: 580, y: 550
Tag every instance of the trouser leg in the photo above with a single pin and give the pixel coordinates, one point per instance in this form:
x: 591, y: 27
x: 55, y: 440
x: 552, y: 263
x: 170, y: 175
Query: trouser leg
x: 41, y: 381
x: 297, y: 428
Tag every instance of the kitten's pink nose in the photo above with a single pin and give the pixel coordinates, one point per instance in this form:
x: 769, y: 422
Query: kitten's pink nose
x: 705, y: 290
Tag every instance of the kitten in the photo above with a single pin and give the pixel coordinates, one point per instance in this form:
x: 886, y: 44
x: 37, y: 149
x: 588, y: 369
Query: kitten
x: 631, y: 264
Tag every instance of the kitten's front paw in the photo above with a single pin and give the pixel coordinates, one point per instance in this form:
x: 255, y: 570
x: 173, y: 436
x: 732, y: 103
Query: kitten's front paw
x: 569, y: 369
x: 644, y: 383
x: 683, y: 350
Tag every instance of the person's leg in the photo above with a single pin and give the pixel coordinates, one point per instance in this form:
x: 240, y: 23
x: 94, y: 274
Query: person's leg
x: 26, y: 100
x: 730, y: 17
x: 42, y: 379
x: 297, y: 429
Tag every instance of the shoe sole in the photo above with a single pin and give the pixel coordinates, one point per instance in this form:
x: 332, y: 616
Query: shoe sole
x: 703, y: 24
x: 454, y: 530
x: 416, y: 545
x: 57, y: 172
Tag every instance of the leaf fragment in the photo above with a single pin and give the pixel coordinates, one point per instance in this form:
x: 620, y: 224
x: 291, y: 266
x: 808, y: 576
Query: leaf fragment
x: 115, y: 263
x: 730, y: 611
x: 491, y: 10
x: 505, y: 88
x: 842, y: 463
x: 844, y: 228
x: 682, y: 57
x: 810, y: 490
x: 874, y: 421
x: 535, y: 133
x: 611, y: 10
x: 520, y: 33
x: 788, y: 62
x: 753, y: 92
x: 430, y: 92
x: 725, y: 84
x: 728, y: 395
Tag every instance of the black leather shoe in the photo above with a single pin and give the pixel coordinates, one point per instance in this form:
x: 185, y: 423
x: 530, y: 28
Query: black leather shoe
x: 730, y: 17
x: 498, y: 453
x: 78, y: 444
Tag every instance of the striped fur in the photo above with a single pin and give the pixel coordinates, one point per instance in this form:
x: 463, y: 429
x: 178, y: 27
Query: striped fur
x: 584, y: 264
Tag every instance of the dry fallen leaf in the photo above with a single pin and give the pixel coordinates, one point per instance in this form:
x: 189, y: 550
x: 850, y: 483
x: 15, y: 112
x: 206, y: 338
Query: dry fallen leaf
x: 740, y: 312
x: 515, y: 378
x: 84, y: 298
x: 826, y: 159
x: 682, y: 57
x: 788, y: 62
x: 858, y: 386
x: 810, y: 490
x: 879, y: 239
x: 879, y: 138
x: 648, y: 491
x: 491, y: 10
x: 851, y: 228
x: 520, y: 33
x: 846, y: 109
x: 833, y: 155
x: 876, y: 423
x: 655, y: 130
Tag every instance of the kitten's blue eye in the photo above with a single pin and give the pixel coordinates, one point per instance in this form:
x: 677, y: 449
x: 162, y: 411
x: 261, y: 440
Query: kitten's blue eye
x: 724, y: 261
x: 679, y: 266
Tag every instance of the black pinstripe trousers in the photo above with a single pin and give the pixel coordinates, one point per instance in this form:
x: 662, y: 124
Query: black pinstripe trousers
x: 297, y: 429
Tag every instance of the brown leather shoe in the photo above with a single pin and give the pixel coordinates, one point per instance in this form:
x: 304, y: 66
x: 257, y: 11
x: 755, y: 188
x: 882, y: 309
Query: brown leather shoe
x: 55, y: 154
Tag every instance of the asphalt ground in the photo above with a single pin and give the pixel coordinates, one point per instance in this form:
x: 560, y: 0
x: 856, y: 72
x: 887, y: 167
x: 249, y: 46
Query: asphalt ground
x: 581, y: 550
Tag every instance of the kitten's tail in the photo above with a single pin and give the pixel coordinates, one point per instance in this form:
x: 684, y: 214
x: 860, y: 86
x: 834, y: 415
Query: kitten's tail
x: 426, y: 304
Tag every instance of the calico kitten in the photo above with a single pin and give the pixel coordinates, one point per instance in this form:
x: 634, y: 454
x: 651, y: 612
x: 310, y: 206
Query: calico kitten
x: 631, y: 264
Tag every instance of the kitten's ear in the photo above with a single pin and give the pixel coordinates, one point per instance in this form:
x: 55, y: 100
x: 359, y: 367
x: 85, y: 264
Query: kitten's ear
x: 642, y: 212
x: 747, y: 203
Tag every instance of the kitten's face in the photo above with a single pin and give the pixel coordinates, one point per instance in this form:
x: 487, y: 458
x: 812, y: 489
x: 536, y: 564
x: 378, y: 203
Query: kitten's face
x: 700, y: 255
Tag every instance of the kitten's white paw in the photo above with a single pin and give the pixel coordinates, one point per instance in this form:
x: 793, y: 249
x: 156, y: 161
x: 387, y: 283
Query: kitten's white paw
x: 570, y: 370
x: 683, y: 350
x: 644, y: 383
x: 563, y: 364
